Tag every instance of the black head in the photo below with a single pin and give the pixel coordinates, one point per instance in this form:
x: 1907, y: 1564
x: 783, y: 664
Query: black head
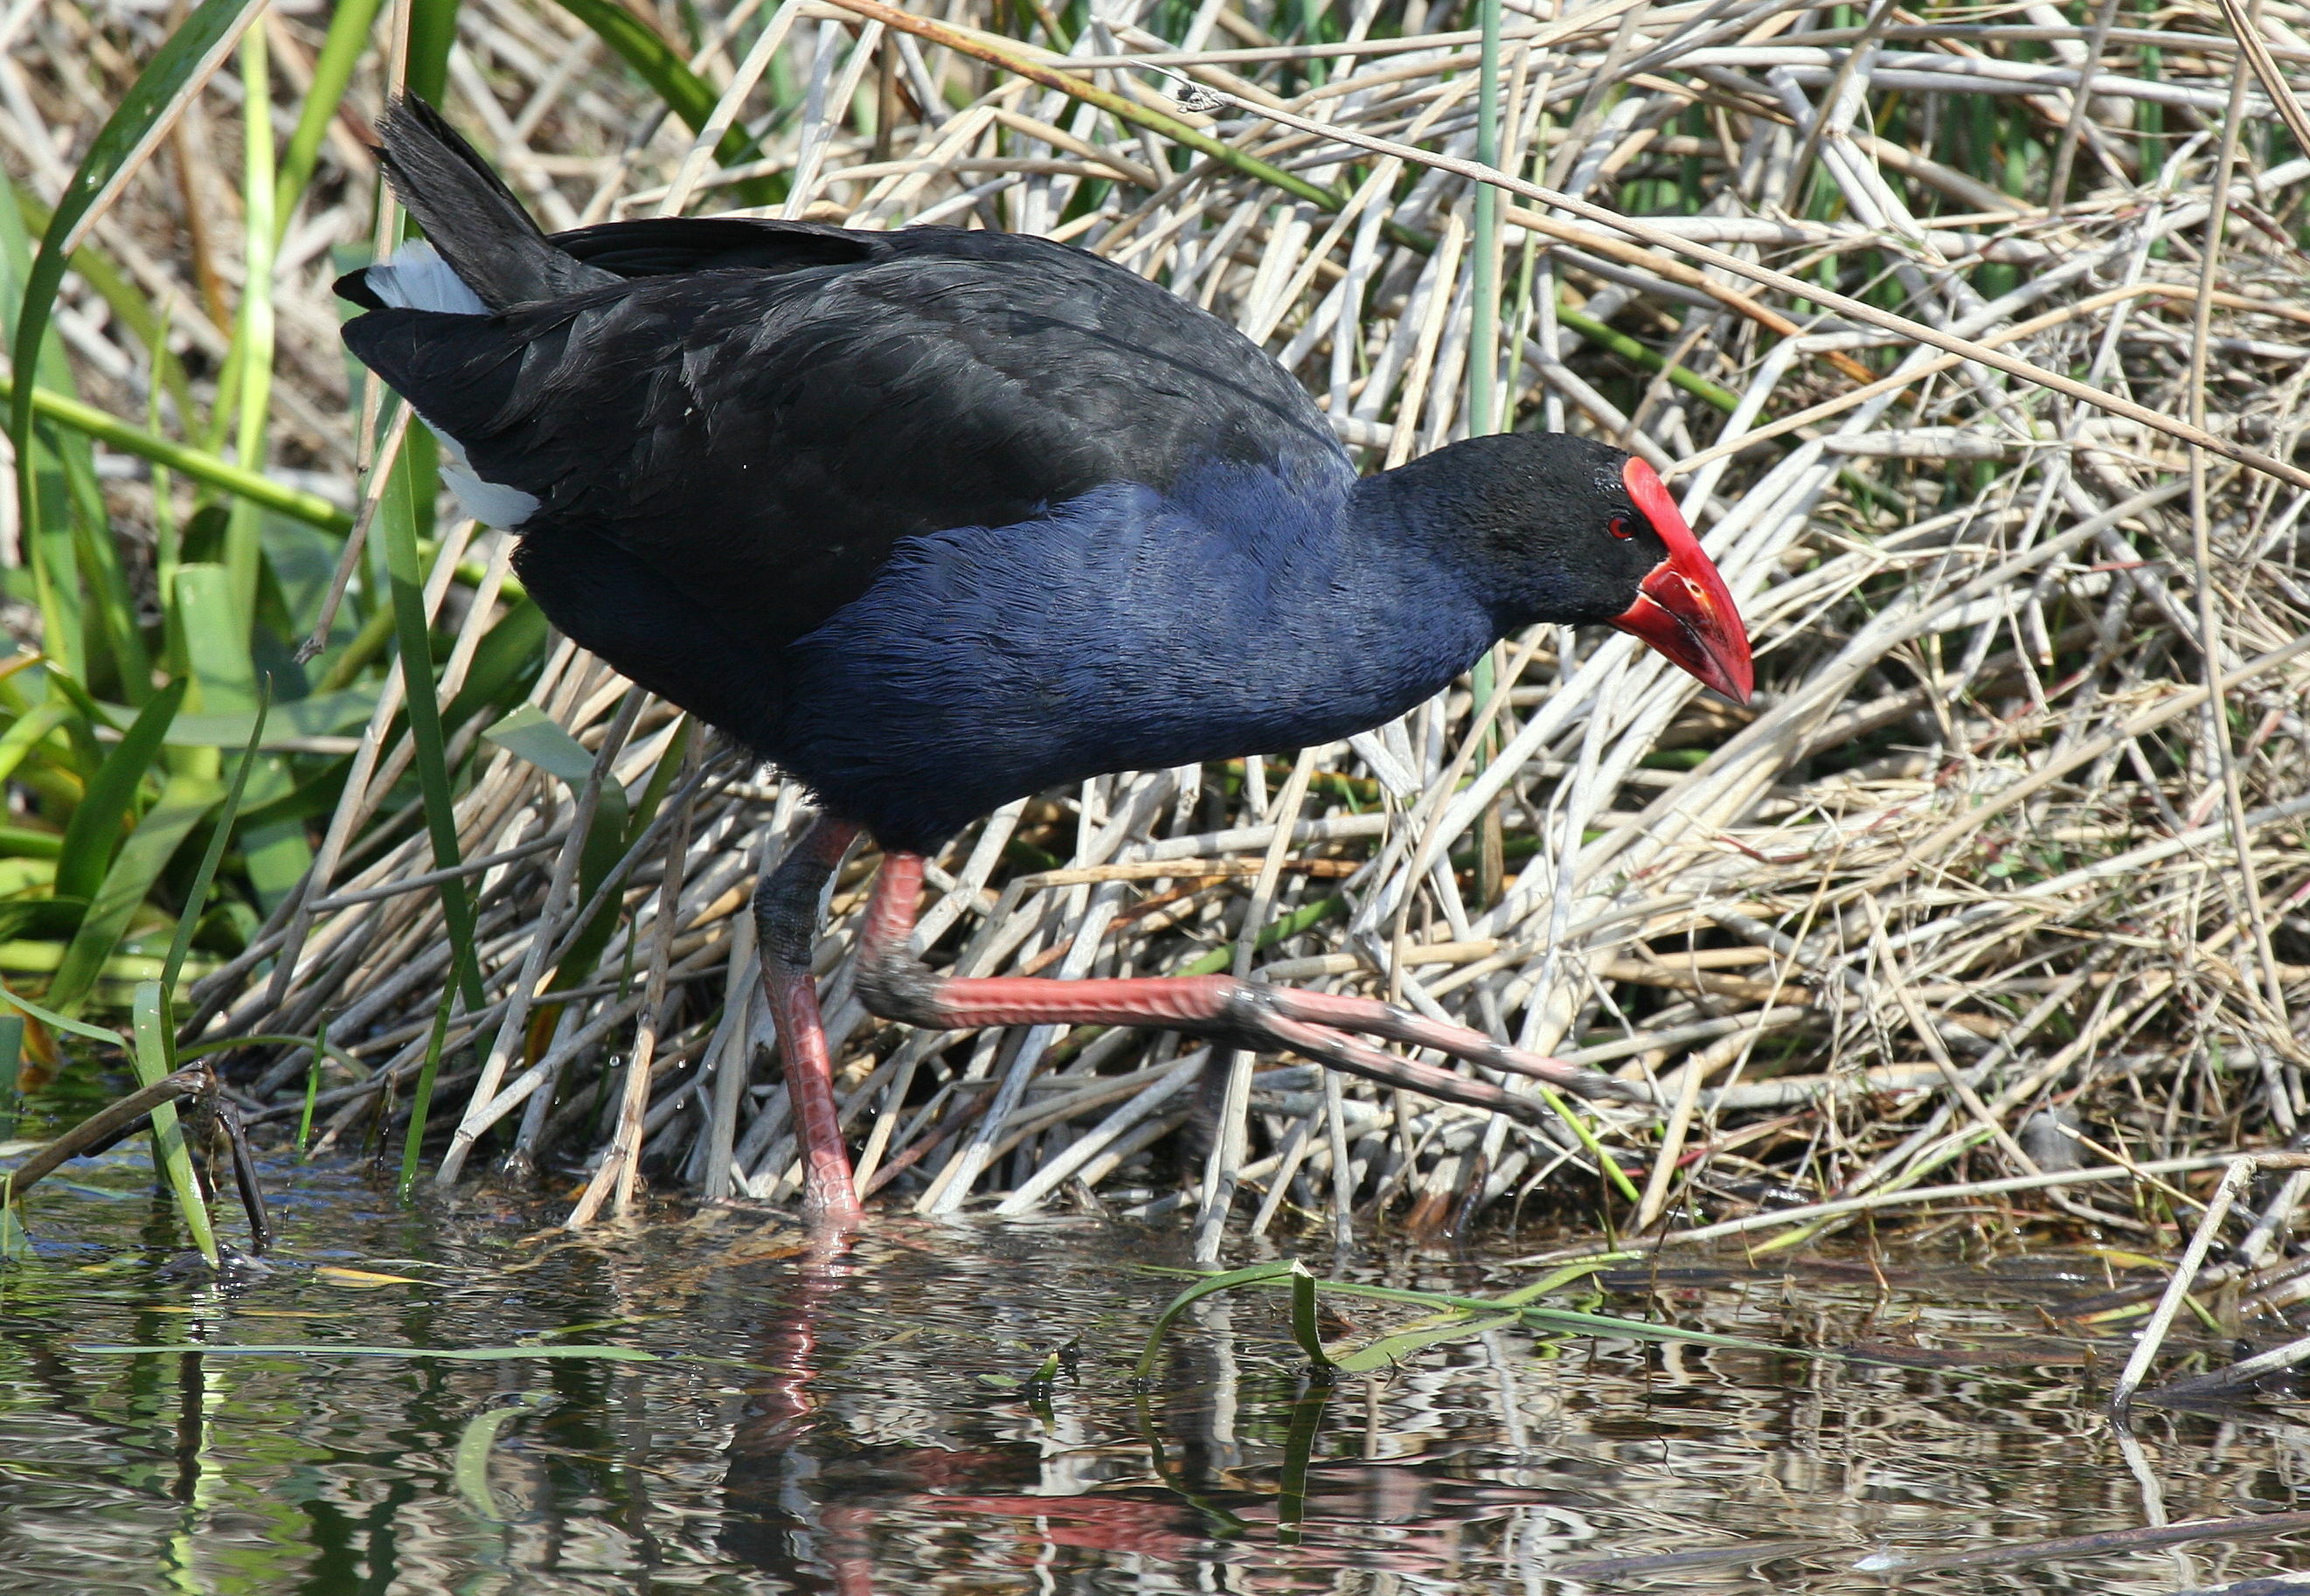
x: 1567, y: 530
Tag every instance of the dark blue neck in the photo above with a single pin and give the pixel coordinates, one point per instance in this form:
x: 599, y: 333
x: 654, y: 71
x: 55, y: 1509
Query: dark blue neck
x: 1341, y: 612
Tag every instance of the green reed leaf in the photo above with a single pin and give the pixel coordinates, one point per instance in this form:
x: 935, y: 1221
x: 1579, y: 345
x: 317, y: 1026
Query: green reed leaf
x: 197, y: 897
x: 687, y: 95
x: 151, y: 1055
x: 94, y: 834
x: 183, y: 801
x: 177, y: 71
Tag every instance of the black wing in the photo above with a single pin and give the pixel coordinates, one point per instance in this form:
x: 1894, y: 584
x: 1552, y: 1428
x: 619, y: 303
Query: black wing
x: 764, y: 409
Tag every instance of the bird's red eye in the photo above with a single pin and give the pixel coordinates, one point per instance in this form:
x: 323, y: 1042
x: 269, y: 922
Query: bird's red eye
x: 1619, y: 528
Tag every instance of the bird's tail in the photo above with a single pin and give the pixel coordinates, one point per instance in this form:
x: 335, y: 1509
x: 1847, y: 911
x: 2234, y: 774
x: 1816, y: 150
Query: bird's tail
x: 470, y: 217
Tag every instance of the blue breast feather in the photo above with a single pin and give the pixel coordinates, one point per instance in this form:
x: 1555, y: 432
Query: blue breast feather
x: 1124, y: 629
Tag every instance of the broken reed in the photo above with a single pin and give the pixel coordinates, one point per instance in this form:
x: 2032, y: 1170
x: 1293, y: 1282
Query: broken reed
x: 1987, y: 885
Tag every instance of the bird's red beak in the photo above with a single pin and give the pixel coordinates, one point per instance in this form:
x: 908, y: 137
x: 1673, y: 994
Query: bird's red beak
x: 1683, y: 608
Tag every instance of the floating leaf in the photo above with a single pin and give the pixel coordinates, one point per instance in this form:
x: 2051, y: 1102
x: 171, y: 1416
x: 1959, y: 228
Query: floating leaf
x: 471, y: 1469
x: 361, y: 1280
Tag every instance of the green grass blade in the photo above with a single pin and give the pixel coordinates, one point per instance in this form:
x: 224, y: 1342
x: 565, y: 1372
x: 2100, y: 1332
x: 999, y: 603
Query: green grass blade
x: 94, y: 834
x: 178, y: 70
x: 333, y: 70
x: 420, y: 1102
x: 1606, y: 337
x: 1464, y: 1323
x: 1484, y: 334
x: 1299, y: 1450
x: 687, y: 95
x: 432, y: 30
x: 184, y: 802
x: 660, y: 781
x: 1574, y: 1322
x: 315, y: 715
x: 91, y: 715
x: 1391, y: 1349
x: 527, y: 733
x: 111, y: 602
x: 11, y: 1060
x: 47, y: 544
x: 29, y: 731
x: 1257, y: 1274
x: 152, y: 1056
x: 1281, y: 929
x: 243, y: 551
x: 212, y: 629
x: 397, y: 520
x: 1557, y: 1280
x: 197, y: 897
x: 1596, y: 1149
x: 84, y: 578
x: 1224, y: 1525
x: 471, y: 1467
x: 508, y: 661
x: 1508, y: 1309
x: 61, y: 1022
x: 1304, y: 1330
x: 312, y: 1090
x: 59, y: 469
x: 209, y: 469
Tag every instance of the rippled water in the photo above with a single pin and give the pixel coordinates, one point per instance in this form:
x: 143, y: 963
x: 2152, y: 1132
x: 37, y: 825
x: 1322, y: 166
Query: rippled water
x: 868, y: 1429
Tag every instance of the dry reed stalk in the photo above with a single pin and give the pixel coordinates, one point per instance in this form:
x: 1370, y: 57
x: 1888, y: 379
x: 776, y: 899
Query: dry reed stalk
x: 1983, y: 859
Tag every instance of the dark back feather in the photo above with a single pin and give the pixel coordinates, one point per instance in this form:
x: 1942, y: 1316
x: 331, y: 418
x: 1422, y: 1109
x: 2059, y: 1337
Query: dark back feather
x: 765, y: 435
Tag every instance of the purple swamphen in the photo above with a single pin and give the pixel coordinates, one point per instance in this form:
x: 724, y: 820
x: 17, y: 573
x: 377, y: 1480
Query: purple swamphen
x: 935, y: 519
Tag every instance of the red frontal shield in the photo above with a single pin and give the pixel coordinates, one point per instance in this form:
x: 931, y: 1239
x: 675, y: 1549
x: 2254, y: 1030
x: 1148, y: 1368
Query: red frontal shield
x: 1683, y: 608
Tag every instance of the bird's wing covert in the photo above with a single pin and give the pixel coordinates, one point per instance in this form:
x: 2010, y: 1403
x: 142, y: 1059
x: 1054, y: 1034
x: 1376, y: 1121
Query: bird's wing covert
x: 763, y: 437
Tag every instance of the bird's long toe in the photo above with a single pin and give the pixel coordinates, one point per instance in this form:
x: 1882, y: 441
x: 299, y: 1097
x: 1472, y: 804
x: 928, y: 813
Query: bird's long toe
x: 1340, y: 1050
x: 1367, y: 1017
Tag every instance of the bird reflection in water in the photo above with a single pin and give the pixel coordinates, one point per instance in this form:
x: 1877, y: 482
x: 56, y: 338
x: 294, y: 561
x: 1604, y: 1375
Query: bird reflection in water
x: 817, y: 1510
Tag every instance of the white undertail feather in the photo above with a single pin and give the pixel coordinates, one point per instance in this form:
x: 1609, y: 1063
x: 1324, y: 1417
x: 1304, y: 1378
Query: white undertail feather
x: 492, y: 504
x: 418, y: 279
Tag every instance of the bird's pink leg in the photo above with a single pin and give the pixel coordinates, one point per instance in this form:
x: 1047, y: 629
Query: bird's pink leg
x: 896, y: 985
x: 785, y: 920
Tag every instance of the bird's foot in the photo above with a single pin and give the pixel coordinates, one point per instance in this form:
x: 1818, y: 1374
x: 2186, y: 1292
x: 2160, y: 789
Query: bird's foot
x: 896, y: 985
x: 785, y: 913
x: 830, y: 1201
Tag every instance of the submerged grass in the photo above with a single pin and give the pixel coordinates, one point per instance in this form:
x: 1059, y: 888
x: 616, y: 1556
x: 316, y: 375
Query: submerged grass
x: 1976, y: 888
x: 1452, y: 1317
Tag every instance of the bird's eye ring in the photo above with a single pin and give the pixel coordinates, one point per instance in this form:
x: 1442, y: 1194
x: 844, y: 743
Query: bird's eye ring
x: 1619, y: 528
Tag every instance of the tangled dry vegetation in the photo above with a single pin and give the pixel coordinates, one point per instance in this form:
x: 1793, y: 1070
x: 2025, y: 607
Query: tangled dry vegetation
x: 1980, y: 887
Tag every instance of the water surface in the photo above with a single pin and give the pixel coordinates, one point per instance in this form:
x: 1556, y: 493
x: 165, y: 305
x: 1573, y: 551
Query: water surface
x: 871, y: 1428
